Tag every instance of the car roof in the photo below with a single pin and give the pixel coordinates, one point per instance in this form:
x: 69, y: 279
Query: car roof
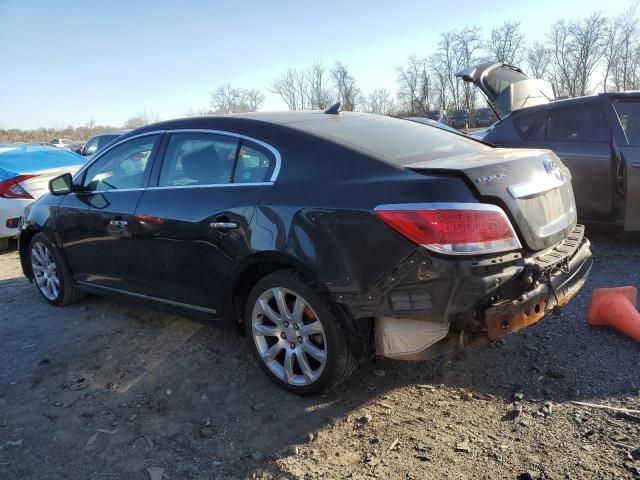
x: 114, y: 132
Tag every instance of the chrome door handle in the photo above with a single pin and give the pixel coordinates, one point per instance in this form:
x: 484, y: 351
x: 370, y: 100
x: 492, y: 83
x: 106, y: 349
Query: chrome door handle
x: 119, y: 223
x: 224, y: 225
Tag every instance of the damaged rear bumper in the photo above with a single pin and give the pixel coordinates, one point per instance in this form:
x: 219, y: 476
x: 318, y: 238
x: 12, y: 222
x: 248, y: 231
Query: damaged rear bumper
x: 429, y: 304
x: 558, y: 284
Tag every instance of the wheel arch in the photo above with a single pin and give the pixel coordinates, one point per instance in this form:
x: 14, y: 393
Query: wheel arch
x: 252, y: 269
x: 24, y: 240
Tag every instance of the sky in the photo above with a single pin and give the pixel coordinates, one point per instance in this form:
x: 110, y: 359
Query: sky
x: 65, y: 62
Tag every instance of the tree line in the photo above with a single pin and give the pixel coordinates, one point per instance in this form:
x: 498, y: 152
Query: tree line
x: 577, y: 56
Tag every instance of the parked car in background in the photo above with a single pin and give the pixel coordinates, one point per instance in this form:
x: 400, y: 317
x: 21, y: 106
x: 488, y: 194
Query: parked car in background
x: 99, y: 141
x: 438, y: 115
x: 25, y: 171
x: 483, y: 117
x: 77, y: 147
x: 596, y: 137
x: 326, y: 236
x: 460, y: 119
x: 61, y: 142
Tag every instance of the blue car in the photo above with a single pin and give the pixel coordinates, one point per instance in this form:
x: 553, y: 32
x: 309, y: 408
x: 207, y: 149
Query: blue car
x: 25, y: 171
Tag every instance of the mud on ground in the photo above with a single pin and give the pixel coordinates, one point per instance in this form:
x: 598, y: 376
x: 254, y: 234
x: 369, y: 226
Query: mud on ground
x: 106, y: 389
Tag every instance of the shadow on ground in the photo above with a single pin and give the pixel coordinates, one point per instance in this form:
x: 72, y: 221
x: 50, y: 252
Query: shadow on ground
x: 108, y: 388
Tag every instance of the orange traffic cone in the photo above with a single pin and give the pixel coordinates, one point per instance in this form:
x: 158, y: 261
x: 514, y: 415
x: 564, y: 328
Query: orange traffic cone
x: 616, y: 307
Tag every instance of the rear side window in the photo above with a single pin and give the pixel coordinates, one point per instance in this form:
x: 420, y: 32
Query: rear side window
x: 629, y: 115
x: 531, y: 126
x: 194, y: 158
x: 255, y: 164
x: 582, y: 123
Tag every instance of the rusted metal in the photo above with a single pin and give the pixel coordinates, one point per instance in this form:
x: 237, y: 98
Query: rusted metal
x: 514, y: 316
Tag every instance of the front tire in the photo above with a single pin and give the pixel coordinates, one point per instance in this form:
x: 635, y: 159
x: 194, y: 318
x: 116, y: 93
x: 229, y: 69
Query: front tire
x: 297, y: 334
x: 50, y: 273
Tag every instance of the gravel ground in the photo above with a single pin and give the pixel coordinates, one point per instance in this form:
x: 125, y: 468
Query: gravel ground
x: 105, y: 389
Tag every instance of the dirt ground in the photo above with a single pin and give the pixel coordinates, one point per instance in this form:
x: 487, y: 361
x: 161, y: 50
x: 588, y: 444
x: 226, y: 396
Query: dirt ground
x: 105, y: 389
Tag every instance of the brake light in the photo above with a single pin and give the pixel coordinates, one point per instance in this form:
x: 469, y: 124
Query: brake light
x: 12, y: 189
x: 459, y: 228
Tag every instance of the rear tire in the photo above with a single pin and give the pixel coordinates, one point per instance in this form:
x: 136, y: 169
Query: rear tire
x: 51, y: 274
x: 297, y: 335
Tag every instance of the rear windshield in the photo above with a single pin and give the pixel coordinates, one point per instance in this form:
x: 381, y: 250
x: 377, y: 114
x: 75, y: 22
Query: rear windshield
x: 500, y: 78
x: 400, y: 142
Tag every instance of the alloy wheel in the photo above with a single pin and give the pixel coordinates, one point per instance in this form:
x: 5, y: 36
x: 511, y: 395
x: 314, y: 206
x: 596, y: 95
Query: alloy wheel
x: 45, y: 271
x: 289, y: 336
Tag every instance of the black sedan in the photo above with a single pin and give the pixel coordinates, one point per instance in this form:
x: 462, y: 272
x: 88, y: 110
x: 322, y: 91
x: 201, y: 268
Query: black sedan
x: 327, y: 237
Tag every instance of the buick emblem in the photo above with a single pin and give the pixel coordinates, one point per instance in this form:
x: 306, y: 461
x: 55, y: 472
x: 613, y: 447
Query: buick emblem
x: 552, y: 169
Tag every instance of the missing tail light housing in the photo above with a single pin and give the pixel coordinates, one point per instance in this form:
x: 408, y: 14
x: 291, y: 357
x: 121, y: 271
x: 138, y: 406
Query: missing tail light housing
x: 453, y: 228
x: 12, y: 189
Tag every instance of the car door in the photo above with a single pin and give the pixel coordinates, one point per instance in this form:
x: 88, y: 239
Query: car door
x: 580, y: 135
x: 193, y: 220
x: 627, y: 122
x: 93, y: 221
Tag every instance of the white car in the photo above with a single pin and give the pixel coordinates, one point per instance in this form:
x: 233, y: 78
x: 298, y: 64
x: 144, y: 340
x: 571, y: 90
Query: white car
x: 25, y: 171
x: 61, y: 143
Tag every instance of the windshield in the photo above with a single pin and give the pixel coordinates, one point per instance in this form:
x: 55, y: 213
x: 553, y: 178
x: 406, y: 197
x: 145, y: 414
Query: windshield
x: 391, y: 139
x: 460, y: 113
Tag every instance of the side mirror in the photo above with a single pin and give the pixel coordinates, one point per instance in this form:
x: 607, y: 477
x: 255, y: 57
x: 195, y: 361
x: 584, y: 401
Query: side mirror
x: 61, y: 185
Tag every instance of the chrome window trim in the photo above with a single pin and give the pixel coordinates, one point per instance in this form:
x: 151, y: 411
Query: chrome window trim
x: 273, y: 150
x: 216, y: 185
x: 102, y: 153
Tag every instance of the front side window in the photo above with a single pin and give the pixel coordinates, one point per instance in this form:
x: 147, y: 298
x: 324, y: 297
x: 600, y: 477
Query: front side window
x: 194, y: 158
x: 122, y: 167
x: 629, y: 115
x: 581, y: 123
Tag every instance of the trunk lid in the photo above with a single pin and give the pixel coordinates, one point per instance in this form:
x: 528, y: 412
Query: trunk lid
x: 506, y: 87
x: 38, y: 185
x: 533, y: 186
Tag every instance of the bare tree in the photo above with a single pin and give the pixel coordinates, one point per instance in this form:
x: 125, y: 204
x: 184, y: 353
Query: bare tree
x: 577, y: 49
x: 198, y: 112
x: 380, y: 101
x: 292, y: 88
x: 538, y: 58
x: 622, y: 52
x: 414, y: 86
x: 140, y: 119
x: 506, y: 43
x: 227, y: 99
x: 320, y: 93
x: 345, y: 84
x: 468, y: 43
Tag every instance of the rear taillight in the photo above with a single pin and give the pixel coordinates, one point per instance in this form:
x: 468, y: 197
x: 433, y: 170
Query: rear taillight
x: 458, y: 228
x: 12, y: 189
